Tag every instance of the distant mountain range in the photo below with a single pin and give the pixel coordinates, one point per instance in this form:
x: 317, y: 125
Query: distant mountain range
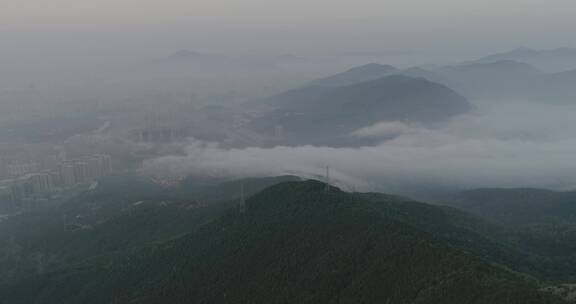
x: 500, y: 78
x: 327, y: 114
x: 508, y: 79
x: 518, y: 74
x: 550, y: 60
x: 326, y: 110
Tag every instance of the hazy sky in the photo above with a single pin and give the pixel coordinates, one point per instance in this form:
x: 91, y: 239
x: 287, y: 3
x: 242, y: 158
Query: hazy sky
x: 275, y: 12
x: 28, y: 27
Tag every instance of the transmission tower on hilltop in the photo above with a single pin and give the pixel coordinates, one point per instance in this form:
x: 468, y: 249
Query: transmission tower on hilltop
x: 327, y: 179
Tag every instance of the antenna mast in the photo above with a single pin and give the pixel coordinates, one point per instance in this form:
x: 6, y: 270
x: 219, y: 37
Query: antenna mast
x: 327, y: 179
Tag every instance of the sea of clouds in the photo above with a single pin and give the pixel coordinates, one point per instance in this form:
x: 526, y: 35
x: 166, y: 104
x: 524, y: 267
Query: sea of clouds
x: 502, y: 144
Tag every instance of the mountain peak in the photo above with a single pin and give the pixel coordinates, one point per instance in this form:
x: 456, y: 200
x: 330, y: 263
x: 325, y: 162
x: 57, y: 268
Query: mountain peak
x: 288, y: 195
x: 307, y: 186
x: 373, y: 67
x: 502, y: 64
x: 357, y: 74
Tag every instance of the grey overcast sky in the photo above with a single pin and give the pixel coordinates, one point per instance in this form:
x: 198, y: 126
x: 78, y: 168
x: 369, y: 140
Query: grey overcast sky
x: 69, y: 27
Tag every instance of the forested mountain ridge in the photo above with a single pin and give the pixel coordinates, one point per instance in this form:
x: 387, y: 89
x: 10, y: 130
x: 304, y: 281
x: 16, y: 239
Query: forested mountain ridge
x: 520, y: 206
x: 293, y: 242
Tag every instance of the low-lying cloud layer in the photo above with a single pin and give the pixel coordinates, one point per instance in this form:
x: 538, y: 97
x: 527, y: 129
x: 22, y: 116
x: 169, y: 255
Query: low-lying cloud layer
x: 504, y: 144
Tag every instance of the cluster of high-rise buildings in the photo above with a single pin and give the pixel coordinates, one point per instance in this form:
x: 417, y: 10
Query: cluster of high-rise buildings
x: 19, y: 169
x: 82, y: 170
x: 26, y: 184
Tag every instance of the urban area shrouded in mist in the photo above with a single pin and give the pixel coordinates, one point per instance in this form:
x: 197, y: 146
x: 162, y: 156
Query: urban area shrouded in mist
x: 269, y: 151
